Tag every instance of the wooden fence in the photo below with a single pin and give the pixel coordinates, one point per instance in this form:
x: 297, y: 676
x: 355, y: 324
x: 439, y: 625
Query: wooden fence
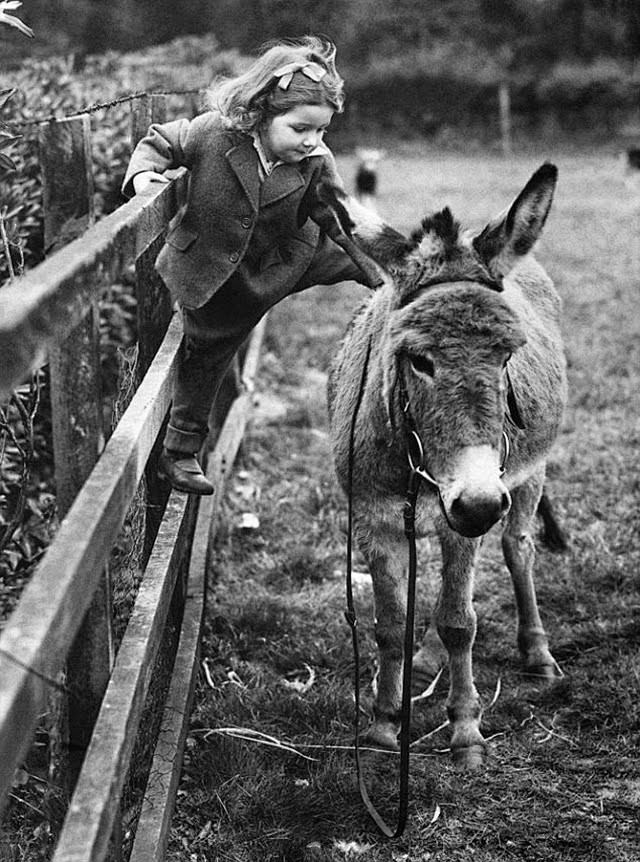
x: 58, y: 645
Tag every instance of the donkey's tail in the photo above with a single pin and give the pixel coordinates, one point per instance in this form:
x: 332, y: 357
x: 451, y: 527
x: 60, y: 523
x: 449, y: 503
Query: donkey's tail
x: 552, y: 534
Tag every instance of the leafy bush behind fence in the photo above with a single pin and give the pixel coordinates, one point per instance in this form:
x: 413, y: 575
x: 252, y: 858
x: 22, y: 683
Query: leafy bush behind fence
x: 55, y: 87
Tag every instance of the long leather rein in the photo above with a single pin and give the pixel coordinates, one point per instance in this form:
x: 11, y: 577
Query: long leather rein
x: 350, y: 615
x: 417, y: 472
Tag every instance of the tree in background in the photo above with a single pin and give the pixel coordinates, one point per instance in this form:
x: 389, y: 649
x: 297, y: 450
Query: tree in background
x: 538, y: 31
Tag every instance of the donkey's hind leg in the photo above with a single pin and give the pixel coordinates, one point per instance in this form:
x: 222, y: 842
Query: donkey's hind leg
x: 519, y: 553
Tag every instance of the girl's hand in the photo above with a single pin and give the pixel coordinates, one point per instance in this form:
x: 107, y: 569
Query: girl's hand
x: 145, y: 180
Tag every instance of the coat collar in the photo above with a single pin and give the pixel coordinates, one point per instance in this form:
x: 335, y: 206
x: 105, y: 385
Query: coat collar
x: 284, y: 180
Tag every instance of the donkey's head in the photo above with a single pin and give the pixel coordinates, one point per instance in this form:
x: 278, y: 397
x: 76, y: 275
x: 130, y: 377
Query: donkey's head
x: 448, y: 336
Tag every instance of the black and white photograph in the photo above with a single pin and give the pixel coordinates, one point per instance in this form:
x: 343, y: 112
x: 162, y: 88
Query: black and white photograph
x: 320, y: 431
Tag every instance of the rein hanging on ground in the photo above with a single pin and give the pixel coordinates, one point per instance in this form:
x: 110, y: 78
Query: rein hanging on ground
x: 350, y: 615
x: 417, y: 472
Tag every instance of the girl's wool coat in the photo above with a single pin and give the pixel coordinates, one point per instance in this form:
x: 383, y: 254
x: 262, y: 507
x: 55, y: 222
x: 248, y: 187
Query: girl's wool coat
x: 229, y: 216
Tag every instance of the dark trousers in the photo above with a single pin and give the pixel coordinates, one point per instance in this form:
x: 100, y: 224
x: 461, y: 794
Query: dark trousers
x: 214, y: 332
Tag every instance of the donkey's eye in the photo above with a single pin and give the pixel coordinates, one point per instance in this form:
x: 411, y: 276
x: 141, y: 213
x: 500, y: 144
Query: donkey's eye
x: 422, y: 364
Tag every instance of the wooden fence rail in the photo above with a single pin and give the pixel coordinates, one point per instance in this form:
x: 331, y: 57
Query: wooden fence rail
x: 51, y: 312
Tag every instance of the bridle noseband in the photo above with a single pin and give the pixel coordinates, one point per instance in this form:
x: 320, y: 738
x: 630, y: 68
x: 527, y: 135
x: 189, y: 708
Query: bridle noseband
x: 415, y: 450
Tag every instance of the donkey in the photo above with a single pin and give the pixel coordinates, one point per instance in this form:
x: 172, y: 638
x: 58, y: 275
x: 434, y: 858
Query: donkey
x: 454, y: 367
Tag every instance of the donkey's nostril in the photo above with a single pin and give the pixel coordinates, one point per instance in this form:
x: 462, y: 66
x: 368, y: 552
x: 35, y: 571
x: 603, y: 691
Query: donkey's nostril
x: 458, y: 507
x: 473, y: 515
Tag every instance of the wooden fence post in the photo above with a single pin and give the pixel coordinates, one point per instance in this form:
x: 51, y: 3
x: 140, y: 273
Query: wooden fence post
x: 140, y: 118
x: 504, y: 99
x: 154, y: 312
x: 65, y: 159
x: 76, y: 403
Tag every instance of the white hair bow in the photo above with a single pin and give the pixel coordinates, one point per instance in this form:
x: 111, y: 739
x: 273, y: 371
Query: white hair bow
x: 285, y: 74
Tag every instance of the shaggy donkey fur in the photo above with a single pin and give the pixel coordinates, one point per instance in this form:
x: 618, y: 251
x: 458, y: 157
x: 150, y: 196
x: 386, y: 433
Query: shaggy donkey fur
x: 468, y: 327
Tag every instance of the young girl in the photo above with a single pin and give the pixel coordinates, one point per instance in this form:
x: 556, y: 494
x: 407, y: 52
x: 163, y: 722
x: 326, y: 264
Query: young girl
x: 242, y: 242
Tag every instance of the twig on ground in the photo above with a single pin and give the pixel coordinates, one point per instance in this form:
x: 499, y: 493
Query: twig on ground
x: 550, y: 732
x: 249, y: 735
x: 496, y: 693
x: 431, y: 733
x: 428, y: 691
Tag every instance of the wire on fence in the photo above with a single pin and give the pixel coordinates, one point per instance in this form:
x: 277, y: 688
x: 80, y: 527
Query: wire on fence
x: 98, y: 106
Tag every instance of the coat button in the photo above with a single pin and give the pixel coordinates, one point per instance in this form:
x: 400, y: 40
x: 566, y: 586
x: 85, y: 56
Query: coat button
x: 246, y: 222
x: 234, y: 256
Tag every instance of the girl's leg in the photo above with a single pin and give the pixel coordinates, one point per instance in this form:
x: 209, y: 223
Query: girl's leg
x: 202, y: 365
x: 212, y: 335
x: 330, y: 265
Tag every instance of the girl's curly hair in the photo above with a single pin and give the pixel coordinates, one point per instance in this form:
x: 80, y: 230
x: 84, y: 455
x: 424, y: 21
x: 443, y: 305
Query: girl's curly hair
x: 252, y: 97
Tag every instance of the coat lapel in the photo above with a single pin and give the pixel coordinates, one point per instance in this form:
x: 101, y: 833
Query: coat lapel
x: 244, y: 162
x: 284, y: 180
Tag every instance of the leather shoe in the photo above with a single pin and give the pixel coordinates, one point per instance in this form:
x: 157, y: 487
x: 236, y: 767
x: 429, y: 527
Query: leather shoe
x: 184, y: 472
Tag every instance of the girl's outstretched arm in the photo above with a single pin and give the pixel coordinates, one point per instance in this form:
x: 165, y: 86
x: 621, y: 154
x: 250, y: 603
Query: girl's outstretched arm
x: 166, y: 146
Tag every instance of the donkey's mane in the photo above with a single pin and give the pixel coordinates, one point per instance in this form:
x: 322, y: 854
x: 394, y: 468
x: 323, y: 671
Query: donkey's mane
x: 435, y: 253
x: 442, y: 226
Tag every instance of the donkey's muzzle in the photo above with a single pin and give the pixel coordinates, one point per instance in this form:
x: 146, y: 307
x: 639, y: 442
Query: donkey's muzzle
x: 473, y: 514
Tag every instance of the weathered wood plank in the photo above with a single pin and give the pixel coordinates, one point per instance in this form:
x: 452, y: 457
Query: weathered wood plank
x: 41, y: 307
x: 37, y: 637
x: 140, y: 119
x: 74, y: 364
x: 64, y: 153
x: 158, y: 108
x: 152, y: 833
x: 76, y: 411
x: 153, y: 306
x: 90, y: 819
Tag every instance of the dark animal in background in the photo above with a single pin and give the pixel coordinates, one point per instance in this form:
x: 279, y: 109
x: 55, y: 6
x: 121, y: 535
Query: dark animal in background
x: 366, y: 182
x: 630, y: 168
x: 462, y: 346
x: 633, y: 159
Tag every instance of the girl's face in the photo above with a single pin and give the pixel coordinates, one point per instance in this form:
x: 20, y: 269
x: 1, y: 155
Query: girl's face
x: 292, y: 136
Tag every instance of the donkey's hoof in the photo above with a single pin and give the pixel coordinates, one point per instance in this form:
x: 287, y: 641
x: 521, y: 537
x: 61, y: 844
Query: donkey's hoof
x: 468, y: 756
x: 381, y: 734
x: 539, y: 672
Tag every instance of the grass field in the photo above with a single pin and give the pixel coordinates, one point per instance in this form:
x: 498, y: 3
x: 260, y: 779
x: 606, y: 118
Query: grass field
x: 562, y: 777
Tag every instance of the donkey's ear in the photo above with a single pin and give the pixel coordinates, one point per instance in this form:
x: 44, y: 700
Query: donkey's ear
x: 513, y: 235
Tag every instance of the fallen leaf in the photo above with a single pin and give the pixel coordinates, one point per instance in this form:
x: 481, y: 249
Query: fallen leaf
x: 298, y: 685
x: 352, y: 848
x: 249, y: 521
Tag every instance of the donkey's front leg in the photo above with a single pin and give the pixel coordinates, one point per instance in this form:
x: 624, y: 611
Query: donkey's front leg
x: 455, y: 619
x: 519, y: 552
x: 386, y: 555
